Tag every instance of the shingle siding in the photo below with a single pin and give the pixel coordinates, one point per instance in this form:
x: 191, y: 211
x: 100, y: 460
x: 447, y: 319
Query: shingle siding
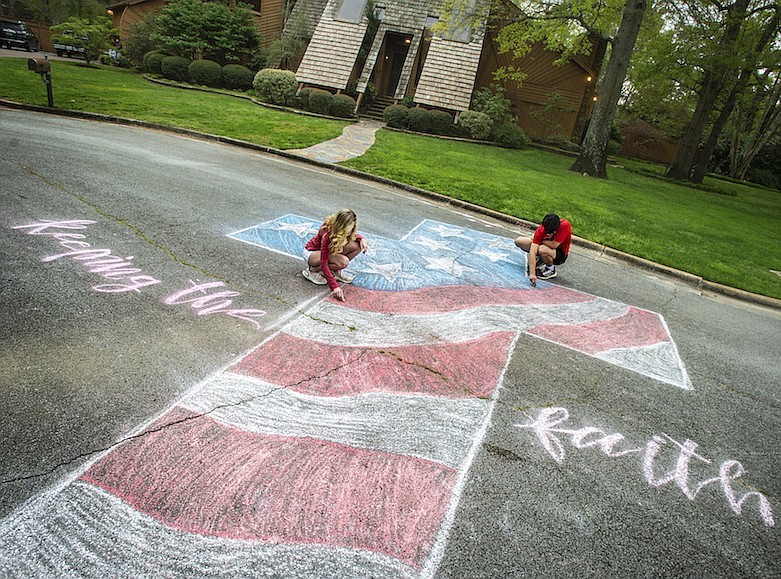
x: 449, y: 73
x: 333, y: 50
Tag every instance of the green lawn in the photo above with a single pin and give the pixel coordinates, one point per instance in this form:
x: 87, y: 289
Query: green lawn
x: 732, y: 238
x: 124, y: 93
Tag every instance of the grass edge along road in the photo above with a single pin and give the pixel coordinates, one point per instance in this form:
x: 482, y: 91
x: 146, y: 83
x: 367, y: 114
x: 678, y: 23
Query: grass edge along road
x: 731, y: 237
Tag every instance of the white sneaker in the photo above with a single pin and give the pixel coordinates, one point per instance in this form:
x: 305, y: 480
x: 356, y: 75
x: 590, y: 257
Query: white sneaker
x: 315, y: 277
x: 548, y: 272
x: 345, y: 277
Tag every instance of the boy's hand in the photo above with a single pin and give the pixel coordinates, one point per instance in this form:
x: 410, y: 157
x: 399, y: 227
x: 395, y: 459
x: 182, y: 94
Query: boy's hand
x: 338, y: 293
x: 533, y: 278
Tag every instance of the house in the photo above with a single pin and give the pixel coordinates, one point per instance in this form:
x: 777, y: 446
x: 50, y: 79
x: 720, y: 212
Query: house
x: 268, y: 15
x: 401, y: 54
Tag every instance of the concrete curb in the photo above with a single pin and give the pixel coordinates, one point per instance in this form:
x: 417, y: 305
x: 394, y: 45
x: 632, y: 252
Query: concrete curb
x: 690, y: 279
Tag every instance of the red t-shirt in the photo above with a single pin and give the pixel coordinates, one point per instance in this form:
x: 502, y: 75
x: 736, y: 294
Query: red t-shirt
x: 320, y: 242
x: 563, y: 235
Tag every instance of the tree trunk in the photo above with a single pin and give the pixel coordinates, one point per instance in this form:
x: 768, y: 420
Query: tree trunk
x: 592, y: 159
x: 701, y: 166
x: 712, y: 84
x: 768, y: 126
x: 600, y: 50
x: 749, y: 66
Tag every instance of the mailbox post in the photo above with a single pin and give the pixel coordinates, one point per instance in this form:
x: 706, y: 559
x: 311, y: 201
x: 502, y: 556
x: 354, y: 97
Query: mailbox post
x: 43, y: 67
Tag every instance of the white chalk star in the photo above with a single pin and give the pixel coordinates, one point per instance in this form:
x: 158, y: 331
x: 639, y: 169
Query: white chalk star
x: 494, y: 256
x: 390, y: 271
x: 303, y: 230
x: 432, y: 244
x: 446, y: 264
x: 498, y: 243
x: 445, y: 231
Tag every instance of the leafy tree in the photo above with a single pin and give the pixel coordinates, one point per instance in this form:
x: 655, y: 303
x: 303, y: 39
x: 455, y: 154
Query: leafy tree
x: 53, y: 11
x: 288, y: 50
x: 92, y: 35
x: 757, y: 124
x: 194, y: 29
x: 767, y: 32
x: 724, y: 46
x: 571, y: 27
x: 139, y: 41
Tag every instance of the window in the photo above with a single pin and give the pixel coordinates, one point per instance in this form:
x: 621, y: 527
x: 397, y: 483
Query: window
x: 351, y: 10
x: 460, y: 22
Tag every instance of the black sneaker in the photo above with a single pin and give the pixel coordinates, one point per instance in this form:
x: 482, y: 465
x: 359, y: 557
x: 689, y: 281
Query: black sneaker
x: 548, y: 272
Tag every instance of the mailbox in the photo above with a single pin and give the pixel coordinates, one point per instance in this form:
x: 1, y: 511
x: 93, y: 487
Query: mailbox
x: 38, y: 65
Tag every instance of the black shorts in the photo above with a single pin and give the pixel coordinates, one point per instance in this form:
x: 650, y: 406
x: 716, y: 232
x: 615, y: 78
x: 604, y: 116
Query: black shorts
x: 560, y: 258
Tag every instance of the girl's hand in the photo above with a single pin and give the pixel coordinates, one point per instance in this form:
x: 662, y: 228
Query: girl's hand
x: 338, y: 293
x: 364, y: 245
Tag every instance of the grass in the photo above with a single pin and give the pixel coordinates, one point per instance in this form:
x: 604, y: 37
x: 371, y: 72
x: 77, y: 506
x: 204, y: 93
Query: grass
x: 124, y: 93
x: 731, y: 237
x: 729, y: 233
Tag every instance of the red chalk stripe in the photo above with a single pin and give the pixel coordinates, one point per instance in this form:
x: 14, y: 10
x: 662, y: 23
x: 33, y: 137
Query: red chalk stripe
x: 433, y: 300
x: 465, y: 369
x: 636, y: 328
x: 201, y: 477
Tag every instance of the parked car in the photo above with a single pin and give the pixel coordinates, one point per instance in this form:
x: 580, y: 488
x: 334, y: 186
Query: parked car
x: 68, y: 50
x: 16, y: 34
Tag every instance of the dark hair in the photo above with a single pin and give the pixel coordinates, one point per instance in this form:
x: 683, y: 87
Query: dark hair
x: 551, y: 223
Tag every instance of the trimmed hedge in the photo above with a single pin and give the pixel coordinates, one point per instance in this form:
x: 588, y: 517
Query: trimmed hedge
x: 320, y: 101
x: 276, y: 86
x: 153, y: 61
x: 205, y: 72
x: 237, y: 77
x: 510, y: 135
x: 175, y: 68
x: 343, y: 105
x: 419, y: 120
x: 396, y: 116
x: 303, y: 98
x: 441, y: 122
x: 477, y: 125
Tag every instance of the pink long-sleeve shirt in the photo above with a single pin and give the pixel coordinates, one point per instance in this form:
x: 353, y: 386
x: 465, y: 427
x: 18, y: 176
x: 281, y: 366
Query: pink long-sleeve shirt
x: 320, y: 242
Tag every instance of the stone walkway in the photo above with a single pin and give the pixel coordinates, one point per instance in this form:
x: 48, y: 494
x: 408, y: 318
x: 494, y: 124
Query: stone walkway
x: 353, y: 142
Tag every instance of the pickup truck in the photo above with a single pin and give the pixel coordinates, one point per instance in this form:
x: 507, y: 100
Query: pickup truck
x: 68, y: 50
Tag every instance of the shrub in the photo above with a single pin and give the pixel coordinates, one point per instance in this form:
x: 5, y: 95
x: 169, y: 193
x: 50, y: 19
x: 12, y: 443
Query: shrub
x: 419, y: 120
x: 396, y: 116
x: 276, y: 86
x: 237, y: 77
x: 441, y: 122
x: 175, y: 67
x: 153, y: 61
x: 510, y: 135
x: 343, y: 106
x: 206, y: 72
x: 320, y: 101
x: 492, y: 101
x: 477, y: 125
x: 303, y: 98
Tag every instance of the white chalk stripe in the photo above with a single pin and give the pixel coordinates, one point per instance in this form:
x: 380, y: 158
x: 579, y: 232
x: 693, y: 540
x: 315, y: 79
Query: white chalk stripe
x: 338, y: 325
x: 83, y: 531
x: 659, y: 361
x: 428, y: 427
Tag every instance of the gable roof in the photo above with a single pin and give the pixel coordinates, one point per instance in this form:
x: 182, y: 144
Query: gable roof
x: 333, y: 50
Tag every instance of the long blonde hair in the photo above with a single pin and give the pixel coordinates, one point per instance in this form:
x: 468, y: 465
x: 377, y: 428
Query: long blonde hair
x: 341, y: 227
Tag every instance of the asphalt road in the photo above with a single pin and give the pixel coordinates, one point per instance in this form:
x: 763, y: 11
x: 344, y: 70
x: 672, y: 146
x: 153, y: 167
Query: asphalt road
x: 582, y: 465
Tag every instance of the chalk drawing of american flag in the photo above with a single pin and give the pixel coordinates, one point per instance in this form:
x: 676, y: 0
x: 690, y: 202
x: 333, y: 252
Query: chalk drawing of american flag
x: 340, y: 445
